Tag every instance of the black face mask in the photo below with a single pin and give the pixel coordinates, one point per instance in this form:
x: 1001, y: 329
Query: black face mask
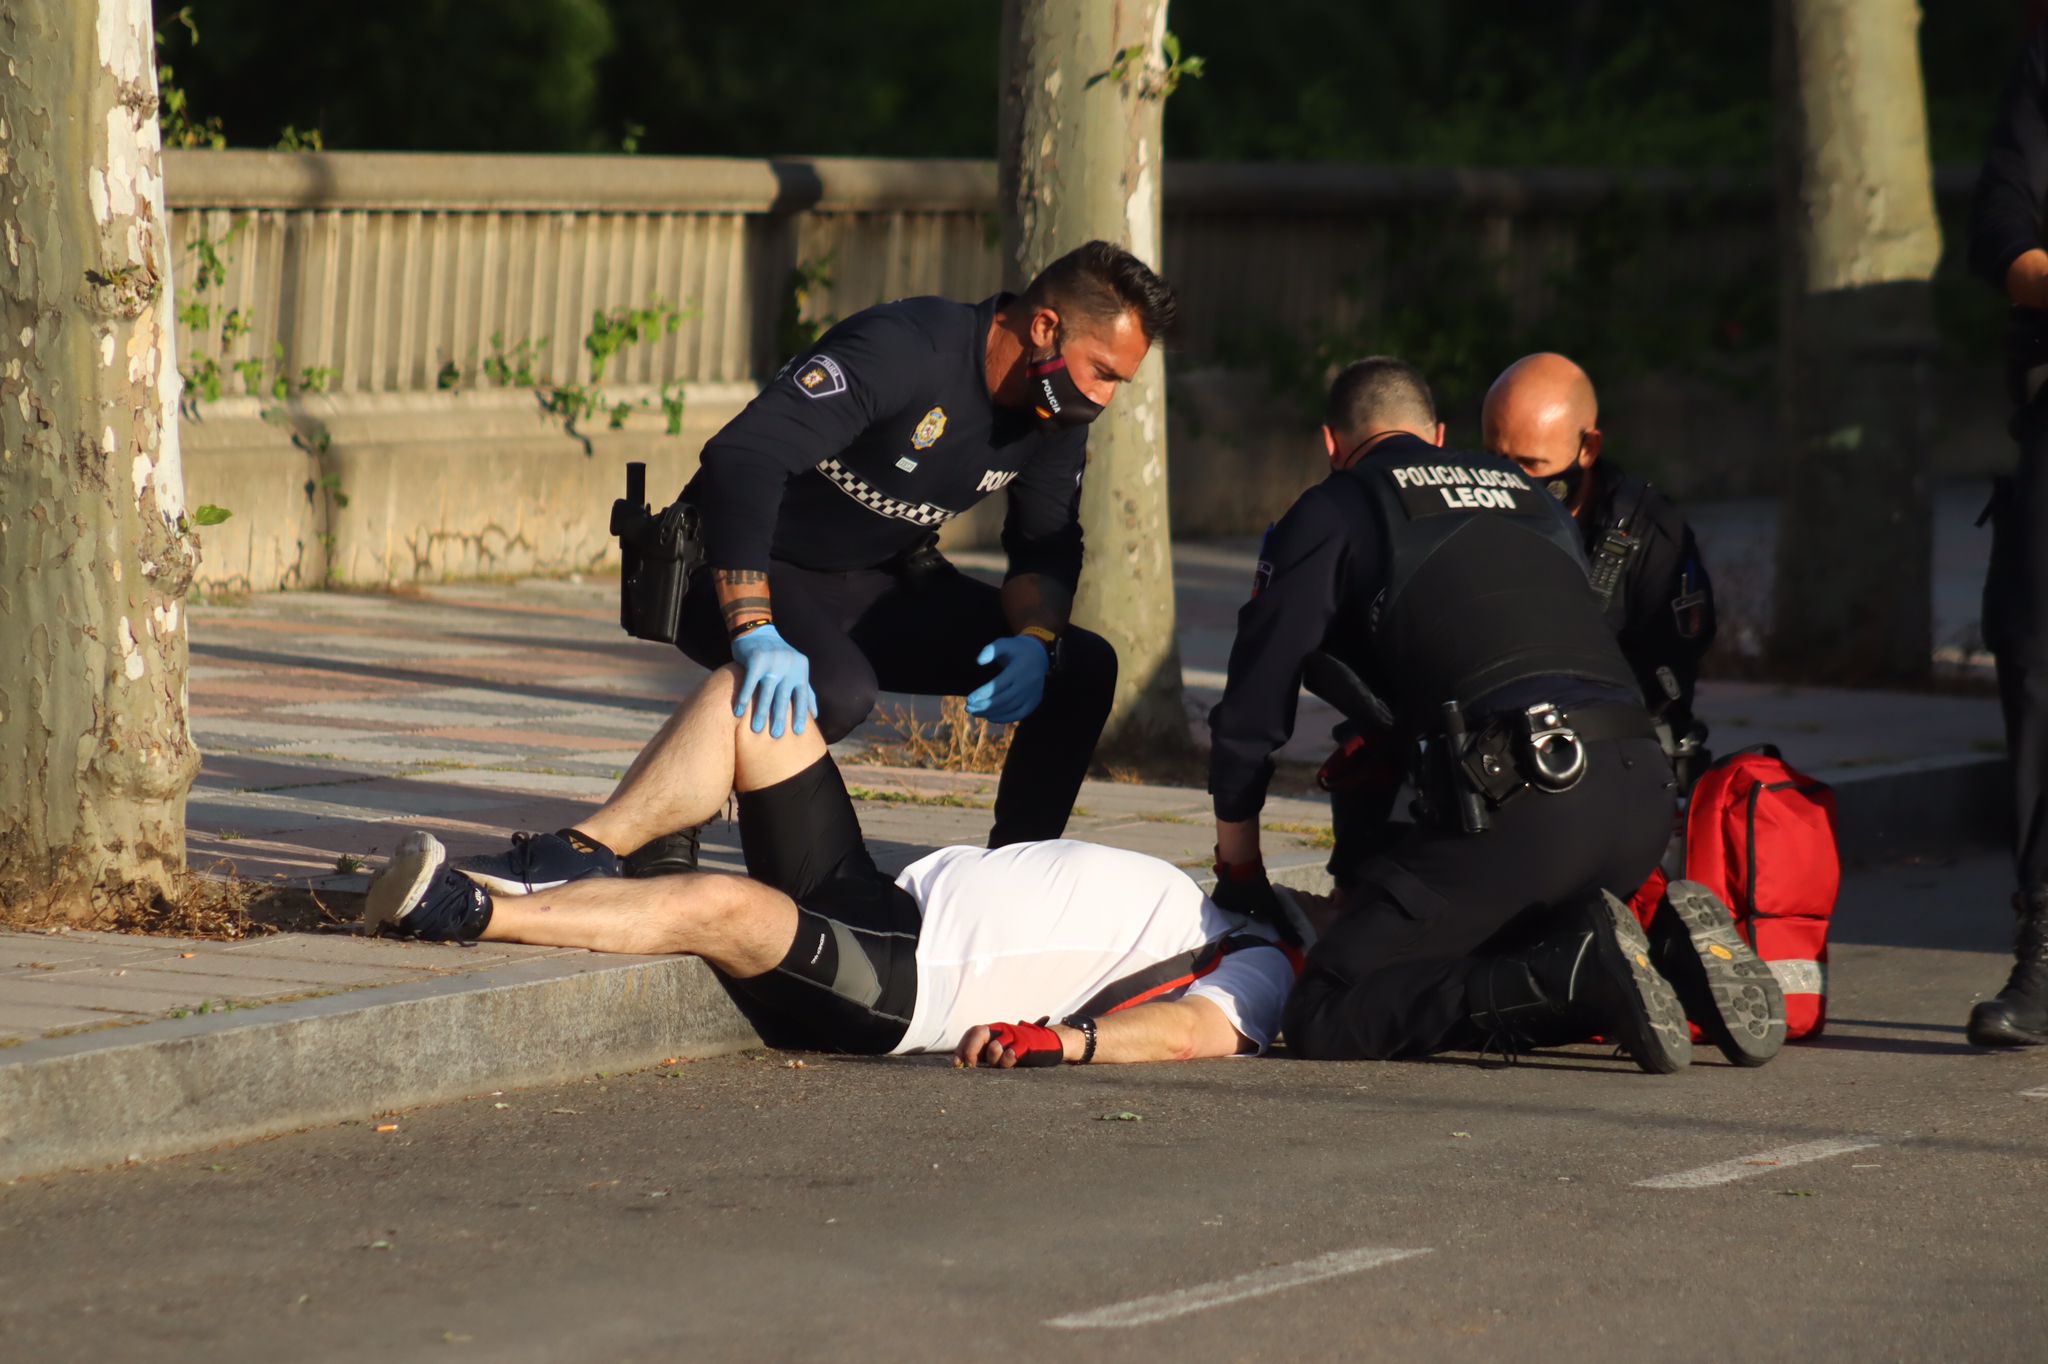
x: 1564, y: 485
x: 1055, y: 397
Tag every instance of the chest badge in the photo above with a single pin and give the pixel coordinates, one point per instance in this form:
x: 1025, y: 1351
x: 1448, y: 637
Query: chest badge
x: 929, y: 430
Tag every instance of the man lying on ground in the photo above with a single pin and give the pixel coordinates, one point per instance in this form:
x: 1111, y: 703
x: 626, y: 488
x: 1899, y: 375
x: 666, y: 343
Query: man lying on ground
x: 1123, y: 949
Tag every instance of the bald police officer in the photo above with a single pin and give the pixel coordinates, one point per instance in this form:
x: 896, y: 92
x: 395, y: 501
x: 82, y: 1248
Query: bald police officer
x: 1456, y: 591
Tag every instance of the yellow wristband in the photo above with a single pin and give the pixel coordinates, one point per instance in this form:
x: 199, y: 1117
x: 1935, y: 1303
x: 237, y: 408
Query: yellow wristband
x: 1041, y: 634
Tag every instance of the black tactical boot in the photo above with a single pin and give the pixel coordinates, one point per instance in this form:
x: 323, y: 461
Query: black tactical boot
x: 670, y: 855
x: 2018, y: 1015
x: 1725, y: 987
x: 1591, y: 974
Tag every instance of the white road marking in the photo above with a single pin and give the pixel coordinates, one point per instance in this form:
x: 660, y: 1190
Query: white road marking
x: 1258, y: 1283
x: 1763, y: 1162
x: 2041, y: 1093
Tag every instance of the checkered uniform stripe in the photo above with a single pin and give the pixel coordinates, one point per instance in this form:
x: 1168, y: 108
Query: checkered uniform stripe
x: 879, y: 502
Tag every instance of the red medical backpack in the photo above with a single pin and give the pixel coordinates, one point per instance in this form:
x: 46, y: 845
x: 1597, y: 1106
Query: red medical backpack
x: 1760, y: 834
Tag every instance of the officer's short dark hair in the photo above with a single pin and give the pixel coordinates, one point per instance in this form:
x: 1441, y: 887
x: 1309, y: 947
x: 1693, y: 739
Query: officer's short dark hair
x: 1379, y: 393
x: 1098, y: 282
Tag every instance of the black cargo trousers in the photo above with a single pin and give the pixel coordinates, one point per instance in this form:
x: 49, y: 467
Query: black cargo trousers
x: 2015, y: 624
x: 1389, y: 978
x: 872, y: 630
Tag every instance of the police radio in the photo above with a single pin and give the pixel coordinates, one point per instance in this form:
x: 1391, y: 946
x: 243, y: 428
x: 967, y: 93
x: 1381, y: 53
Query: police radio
x: 658, y: 552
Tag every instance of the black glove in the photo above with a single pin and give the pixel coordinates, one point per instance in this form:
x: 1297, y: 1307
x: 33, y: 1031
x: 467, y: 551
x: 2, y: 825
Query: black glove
x: 1242, y: 888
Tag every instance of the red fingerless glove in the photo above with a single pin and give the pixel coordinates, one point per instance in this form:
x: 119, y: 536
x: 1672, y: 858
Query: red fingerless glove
x: 1034, y: 1044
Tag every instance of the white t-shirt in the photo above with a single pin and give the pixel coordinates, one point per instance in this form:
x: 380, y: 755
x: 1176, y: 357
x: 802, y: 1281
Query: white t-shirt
x: 1038, y: 929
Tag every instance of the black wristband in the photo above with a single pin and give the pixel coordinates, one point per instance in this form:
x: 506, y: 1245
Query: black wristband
x: 1086, y: 1027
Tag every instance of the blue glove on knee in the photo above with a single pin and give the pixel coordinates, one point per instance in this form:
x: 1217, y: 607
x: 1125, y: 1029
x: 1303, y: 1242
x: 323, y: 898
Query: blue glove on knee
x: 776, y: 674
x: 1014, y: 692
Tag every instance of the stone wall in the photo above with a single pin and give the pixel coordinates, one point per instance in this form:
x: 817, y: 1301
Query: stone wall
x: 397, y: 278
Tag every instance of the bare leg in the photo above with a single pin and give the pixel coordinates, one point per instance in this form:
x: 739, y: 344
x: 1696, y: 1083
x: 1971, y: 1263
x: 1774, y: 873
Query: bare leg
x: 684, y: 774
x: 742, y: 927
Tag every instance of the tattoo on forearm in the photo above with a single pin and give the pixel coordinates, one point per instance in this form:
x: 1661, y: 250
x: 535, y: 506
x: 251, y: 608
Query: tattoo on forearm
x: 742, y: 595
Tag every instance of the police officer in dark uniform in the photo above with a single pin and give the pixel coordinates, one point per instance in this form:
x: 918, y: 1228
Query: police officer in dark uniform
x: 1454, y: 591
x: 822, y: 500
x: 2005, y: 248
x: 1543, y: 416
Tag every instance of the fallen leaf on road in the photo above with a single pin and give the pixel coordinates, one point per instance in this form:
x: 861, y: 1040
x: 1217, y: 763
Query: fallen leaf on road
x: 387, y: 1127
x: 1125, y: 1116
x: 454, y: 1338
x: 378, y: 1245
x: 793, y: 1065
x: 1461, y: 1134
x: 1794, y: 1193
x: 567, y: 1112
x: 501, y: 1105
x: 187, y: 956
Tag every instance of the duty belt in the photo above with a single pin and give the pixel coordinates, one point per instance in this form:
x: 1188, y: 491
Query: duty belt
x: 1542, y: 748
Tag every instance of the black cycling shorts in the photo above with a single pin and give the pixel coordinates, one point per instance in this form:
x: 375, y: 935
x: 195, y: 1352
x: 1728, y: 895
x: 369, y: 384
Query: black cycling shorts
x: 849, y: 980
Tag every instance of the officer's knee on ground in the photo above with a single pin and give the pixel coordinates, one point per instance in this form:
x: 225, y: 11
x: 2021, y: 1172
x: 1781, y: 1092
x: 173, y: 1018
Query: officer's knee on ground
x: 1314, y: 1024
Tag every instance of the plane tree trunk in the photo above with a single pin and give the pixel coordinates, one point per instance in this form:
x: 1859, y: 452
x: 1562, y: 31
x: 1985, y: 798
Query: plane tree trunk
x: 1859, y: 241
x: 95, y: 555
x: 1081, y: 157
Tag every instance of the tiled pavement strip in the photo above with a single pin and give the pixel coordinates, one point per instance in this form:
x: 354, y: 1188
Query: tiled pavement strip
x: 332, y: 723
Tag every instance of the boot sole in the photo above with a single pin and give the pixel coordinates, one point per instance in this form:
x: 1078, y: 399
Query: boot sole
x: 1998, y: 1032
x: 1652, y: 1028
x: 1725, y: 987
x: 398, y: 889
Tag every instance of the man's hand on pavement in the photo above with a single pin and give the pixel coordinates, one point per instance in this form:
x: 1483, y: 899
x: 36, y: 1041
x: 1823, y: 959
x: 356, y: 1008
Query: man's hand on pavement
x: 1004, y: 1045
x: 1015, y: 691
x: 777, y: 676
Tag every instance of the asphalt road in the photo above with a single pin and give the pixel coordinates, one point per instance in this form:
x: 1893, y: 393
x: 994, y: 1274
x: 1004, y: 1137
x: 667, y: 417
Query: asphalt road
x: 1879, y: 1194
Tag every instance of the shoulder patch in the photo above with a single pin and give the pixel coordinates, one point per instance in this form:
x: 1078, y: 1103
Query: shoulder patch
x: 821, y: 377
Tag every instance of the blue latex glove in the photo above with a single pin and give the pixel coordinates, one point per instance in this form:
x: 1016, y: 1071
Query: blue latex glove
x: 1014, y: 692
x: 776, y: 675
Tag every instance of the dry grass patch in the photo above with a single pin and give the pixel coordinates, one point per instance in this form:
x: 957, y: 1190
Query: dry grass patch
x: 214, y: 903
x: 957, y: 742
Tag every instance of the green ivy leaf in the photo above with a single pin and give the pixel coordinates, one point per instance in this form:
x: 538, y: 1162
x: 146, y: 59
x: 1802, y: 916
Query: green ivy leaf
x: 210, y: 515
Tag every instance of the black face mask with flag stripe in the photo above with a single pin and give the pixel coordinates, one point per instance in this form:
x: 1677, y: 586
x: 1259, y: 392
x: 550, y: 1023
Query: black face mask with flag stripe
x: 1055, y: 397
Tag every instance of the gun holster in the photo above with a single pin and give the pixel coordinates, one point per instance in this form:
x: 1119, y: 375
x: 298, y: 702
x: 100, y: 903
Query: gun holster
x: 922, y: 566
x: 658, y: 552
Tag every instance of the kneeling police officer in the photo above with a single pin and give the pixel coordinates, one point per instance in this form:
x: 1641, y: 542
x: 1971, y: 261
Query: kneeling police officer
x: 821, y: 504
x: 1453, y: 592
